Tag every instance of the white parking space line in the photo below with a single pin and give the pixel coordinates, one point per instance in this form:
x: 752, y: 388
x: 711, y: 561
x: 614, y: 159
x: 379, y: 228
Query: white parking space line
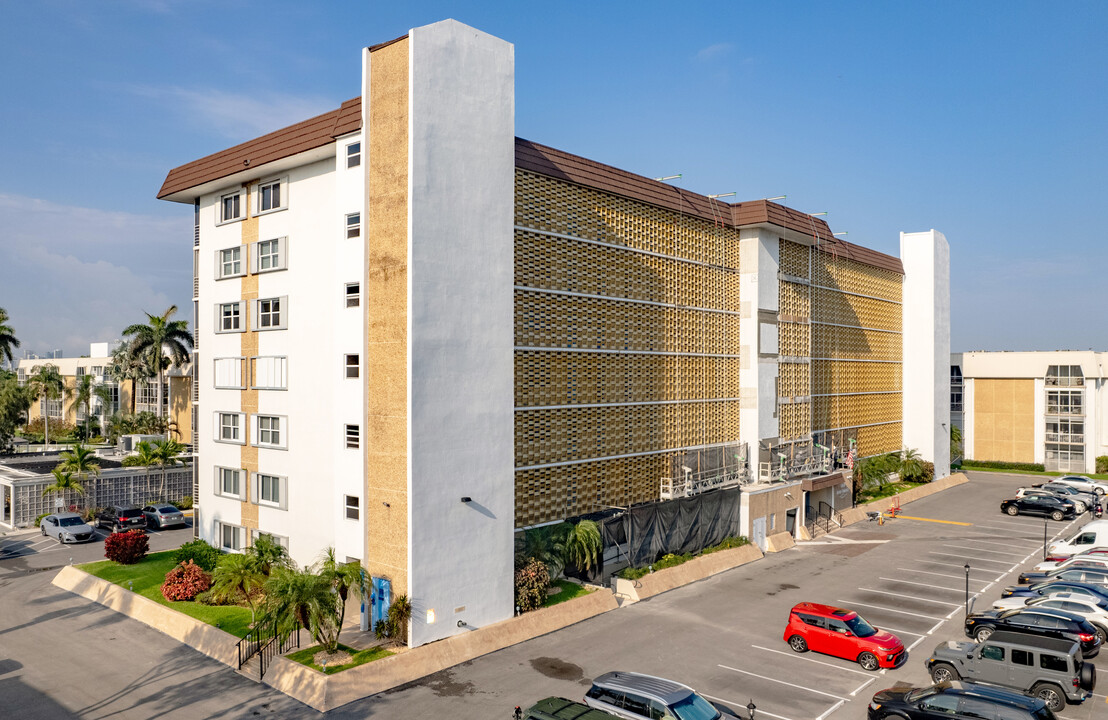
x: 929, y: 585
x: 984, y: 550
x: 867, y: 682
x: 898, y: 631
x: 960, y: 566
x: 1011, y: 528
x: 889, y: 609
x: 798, y: 656
x: 946, y: 575
x: 967, y: 558
x: 766, y: 677
x: 831, y: 709
x: 911, y: 597
x: 725, y: 701
x: 1035, y: 543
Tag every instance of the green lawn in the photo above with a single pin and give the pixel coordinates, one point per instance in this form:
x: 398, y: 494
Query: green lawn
x: 146, y: 577
x: 888, y: 490
x: 361, y: 657
x: 568, y: 590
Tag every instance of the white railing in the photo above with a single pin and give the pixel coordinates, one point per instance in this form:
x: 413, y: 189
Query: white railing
x: 694, y: 484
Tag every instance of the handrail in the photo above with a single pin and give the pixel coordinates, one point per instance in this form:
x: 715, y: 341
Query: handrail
x: 265, y: 640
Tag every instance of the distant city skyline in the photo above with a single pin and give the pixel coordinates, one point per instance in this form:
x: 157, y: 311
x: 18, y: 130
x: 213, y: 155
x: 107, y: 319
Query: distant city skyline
x: 983, y: 121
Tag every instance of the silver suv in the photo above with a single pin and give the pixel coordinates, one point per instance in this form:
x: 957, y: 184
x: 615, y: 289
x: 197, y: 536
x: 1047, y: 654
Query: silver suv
x: 643, y: 697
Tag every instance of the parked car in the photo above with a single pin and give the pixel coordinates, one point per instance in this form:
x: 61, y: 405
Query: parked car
x: 1087, y: 607
x: 635, y: 697
x: 163, y: 515
x: 1094, y: 558
x: 1040, y: 503
x: 558, y: 708
x: 1053, y: 588
x: 956, y: 699
x: 1037, y: 621
x: 1092, y: 534
x: 1051, y: 669
x: 66, y: 527
x: 1087, y: 498
x: 1093, y: 573
x: 1083, y: 483
x: 119, y: 518
x: 842, y: 633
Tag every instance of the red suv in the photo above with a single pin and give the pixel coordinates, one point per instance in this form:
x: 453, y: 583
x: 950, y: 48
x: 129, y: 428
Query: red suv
x: 843, y: 633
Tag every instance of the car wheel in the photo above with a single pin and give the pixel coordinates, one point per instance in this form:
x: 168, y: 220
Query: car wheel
x: 868, y: 661
x: 60, y: 541
x: 982, y: 634
x: 43, y: 529
x: 798, y: 643
x: 1087, y: 677
x: 1012, y: 510
x: 1101, y: 634
x: 1057, y: 515
x: 1080, y: 508
x: 942, y: 672
x: 1099, y: 490
x: 1051, y: 694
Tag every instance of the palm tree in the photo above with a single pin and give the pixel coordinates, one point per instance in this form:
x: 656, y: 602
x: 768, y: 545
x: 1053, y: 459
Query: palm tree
x: 956, y: 447
x: 269, y: 554
x: 146, y: 456
x: 64, y: 482
x: 104, y: 392
x: 82, y: 461
x: 911, y: 465
x: 583, y: 544
x: 48, y: 384
x: 81, y: 395
x: 165, y: 454
x: 299, y: 598
x: 237, y: 577
x: 126, y: 365
x: 8, y: 339
x: 343, y: 578
x: 158, y: 335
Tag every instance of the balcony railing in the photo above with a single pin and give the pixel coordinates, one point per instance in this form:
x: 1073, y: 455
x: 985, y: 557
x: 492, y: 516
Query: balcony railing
x: 1065, y: 410
x: 1071, y: 438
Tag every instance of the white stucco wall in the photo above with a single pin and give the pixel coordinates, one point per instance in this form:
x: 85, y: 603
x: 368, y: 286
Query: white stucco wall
x: 926, y: 345
x: 461, y: 194
x: 759, y: 262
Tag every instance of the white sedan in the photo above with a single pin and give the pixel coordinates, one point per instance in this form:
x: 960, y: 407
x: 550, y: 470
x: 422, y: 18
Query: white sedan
x: 1082, y: 605
x: 1083, y: 483
x: 1097, y: 557
x: 66, y: 527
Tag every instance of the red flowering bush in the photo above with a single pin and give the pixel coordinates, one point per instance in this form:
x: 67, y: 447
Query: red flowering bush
x: 185, y: 582
x: 531, y: 583
x: 126, y: 548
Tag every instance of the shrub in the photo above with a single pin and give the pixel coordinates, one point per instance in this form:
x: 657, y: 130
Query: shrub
x: 727, y: 544
x: 184, y: 503
x: 531, y: 582
x: 132, y: 461
x: 1102, y: 464
x: 126, y: 548
x: 1002, y: 465
x: 38, y: 520
x: 671, y: 560
x: 928, y: 474
x: 630, y: 573
x: 200, y: 553
x: 185, y: 582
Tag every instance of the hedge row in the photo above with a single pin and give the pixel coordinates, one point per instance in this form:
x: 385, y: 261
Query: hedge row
x: 1001, y: 465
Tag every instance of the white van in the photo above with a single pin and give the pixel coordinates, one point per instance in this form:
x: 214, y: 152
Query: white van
x: 1093, y: 534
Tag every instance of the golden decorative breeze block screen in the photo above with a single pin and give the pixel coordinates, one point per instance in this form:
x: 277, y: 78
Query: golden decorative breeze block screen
x: 573, y: 378
x: 878, y: 439
x: 843, y: 309
x: 794, y: 421
x: 842, y: 376
x: 793, y: 259
x: 829, y: 341
x: 839, y: 411
x: 839, y: 273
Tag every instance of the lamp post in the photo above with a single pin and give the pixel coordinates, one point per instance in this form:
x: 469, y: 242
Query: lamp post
x: 967, y: 589
x: 1044, y: 538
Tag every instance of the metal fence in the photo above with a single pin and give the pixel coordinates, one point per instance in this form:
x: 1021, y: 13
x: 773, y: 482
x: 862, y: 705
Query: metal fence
x: 119, y: 486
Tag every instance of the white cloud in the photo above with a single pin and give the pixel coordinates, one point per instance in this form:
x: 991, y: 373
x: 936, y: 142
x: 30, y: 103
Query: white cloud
x: 236, y: 115
x: 713, y: 52
x: 70, y: 276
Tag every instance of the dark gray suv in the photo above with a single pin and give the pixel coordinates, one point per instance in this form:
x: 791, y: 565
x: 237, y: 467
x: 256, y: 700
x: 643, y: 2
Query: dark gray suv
x: 119, y: 518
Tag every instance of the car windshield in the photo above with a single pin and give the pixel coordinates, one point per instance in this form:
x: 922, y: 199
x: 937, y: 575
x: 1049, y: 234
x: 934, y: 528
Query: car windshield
x: 694, y: 707
x: 70, y: 521
x: 919, y: 694
x: 860, y: 627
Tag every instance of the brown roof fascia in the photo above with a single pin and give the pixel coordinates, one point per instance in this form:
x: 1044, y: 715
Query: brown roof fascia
x: 378, y: 46
x: 307, y: 135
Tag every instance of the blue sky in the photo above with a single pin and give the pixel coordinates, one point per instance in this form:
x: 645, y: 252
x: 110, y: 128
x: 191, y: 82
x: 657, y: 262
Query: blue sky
x: 987, y: 121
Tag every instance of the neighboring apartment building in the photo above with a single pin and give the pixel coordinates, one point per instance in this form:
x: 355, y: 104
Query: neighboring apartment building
x: 1032, y: 407
x: 417, y: 333
x: 142, y: 395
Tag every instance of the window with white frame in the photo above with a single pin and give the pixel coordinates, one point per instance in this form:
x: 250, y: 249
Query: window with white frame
x: 229, y: 427
x: 230, y: 537
x: 269, y: 373
x: 229, y: 263
x: 271, y: 195
x: 353, y: 155
x: 228, y: 373
x: 269, y: 255
x: 353, y: 437
x: 353, y: 225
x: 281, y: 540
x: 270, y: 490
x: 353, y: 294
x: 352, y: 365
x: 97, y: 370
x: 271, y: 313
x: 270, y: 431
x: 228, y: 482
x: 229, y: 317
x: 146, y: 396
x: 230, y: 207
x: 353, y: 507
x: 21, y: 375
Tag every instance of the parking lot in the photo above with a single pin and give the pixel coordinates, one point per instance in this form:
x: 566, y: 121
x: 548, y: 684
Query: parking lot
x: 722, y: 636
x: 28, y: 549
